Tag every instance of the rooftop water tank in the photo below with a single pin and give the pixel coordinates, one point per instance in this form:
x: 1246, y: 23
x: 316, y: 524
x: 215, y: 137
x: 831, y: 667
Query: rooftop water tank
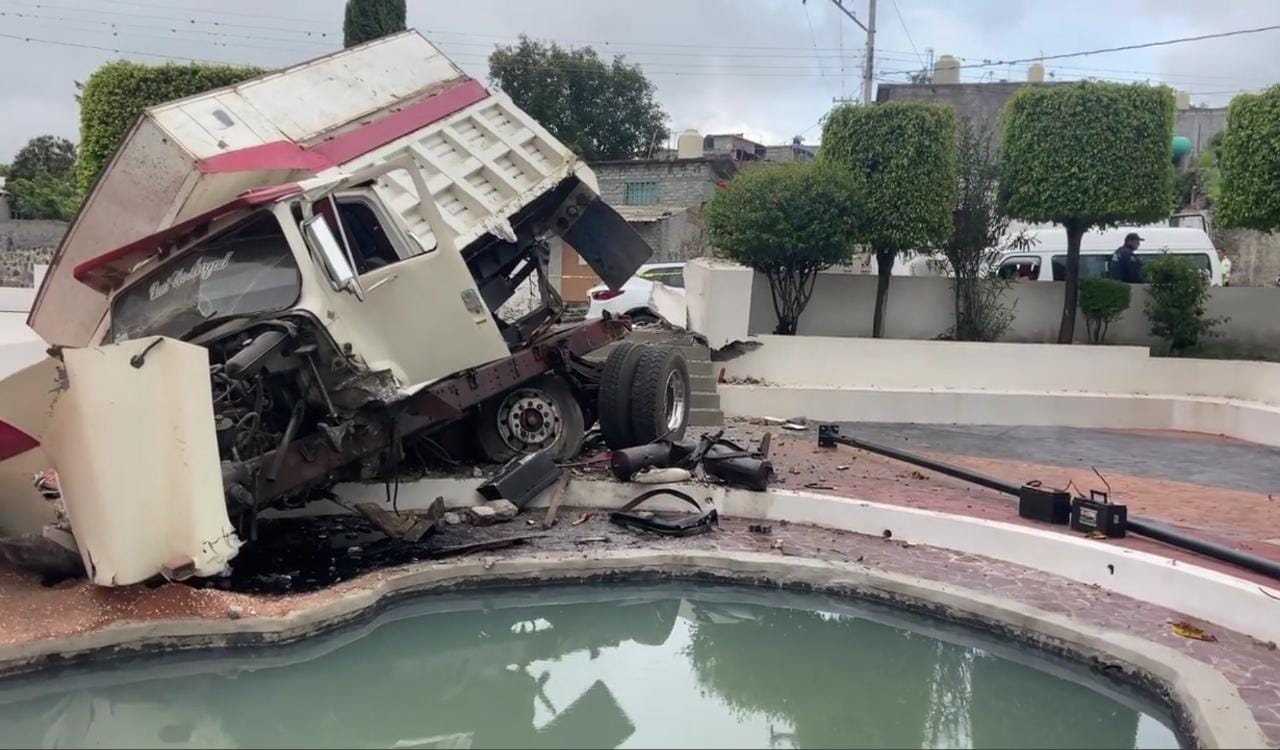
x: 946, y: 70
x: 1035, y: 73
x: 1183, y: 99
x: 689, y: 145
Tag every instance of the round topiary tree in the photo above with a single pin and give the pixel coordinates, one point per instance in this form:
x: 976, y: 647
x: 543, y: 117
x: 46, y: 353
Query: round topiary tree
x: 1087, y: 155
x: 907, y: 152
x: 1249, y: 163
x: 788, y: 221
x: 1103, y: 301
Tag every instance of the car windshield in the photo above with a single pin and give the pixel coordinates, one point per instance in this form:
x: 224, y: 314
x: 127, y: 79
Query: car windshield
x: 245, y: 270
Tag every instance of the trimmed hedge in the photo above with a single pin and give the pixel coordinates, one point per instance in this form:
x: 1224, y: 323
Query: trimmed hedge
x: 366, y: 20
x: 1250, y: 163
x: 118, y: 92
x: 1103, y: 301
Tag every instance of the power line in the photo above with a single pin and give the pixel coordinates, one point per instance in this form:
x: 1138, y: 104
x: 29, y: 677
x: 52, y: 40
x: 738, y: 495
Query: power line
x: 233, y: 14
x: 813, y: 37
x: 903, y: 21
x: 117, y: 50
x: 82, y: 9
x: 1123, y: 48
x: 27, y: 18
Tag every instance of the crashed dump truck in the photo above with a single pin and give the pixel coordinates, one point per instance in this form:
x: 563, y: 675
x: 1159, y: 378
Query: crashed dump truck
x: 301, y: 279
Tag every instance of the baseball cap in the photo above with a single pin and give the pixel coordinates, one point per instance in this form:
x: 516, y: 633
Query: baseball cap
x: 1133, y: 236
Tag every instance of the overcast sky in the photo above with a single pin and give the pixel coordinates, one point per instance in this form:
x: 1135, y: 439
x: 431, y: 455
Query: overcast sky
x: 767, y: 68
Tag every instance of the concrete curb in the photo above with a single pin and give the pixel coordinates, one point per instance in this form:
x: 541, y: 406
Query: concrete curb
x: 1209, y: 707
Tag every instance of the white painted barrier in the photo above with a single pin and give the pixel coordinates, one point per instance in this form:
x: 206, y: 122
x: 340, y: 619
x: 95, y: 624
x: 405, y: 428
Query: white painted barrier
x: 946, y: 382
x: 1183, y: 587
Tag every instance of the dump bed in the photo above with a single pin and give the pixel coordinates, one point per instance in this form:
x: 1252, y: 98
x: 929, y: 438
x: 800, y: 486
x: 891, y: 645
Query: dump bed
x: 398, y: 99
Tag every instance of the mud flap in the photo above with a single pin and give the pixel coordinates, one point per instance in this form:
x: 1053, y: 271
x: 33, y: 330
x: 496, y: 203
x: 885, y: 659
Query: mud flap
x: 613, y: 249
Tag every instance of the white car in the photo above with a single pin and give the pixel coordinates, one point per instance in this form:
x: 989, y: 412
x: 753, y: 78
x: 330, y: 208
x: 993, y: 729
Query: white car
x: 633, y: 298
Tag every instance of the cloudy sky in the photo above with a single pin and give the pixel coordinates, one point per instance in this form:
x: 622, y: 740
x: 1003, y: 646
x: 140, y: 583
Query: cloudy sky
x: 768, y: 68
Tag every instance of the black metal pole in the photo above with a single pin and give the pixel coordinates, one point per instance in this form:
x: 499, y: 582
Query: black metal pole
x: 830, y: 434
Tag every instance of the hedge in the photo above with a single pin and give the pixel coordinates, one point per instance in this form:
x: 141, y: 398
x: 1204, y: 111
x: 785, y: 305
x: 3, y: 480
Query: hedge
x: 118, y: 92
x: 1250, y: 163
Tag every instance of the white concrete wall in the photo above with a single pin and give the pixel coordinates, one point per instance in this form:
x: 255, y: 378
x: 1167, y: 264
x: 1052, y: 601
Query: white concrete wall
x: 888, y: 380
x: 718, y: 295
x: 19, y: 345
x: 922, y: 308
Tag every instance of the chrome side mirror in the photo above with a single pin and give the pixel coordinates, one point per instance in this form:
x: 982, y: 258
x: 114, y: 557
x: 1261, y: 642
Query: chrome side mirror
x: 341, y: 273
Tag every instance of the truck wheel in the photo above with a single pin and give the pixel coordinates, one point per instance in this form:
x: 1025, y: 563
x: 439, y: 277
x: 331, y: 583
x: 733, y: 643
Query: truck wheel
x: 614, y: 405
x: 660, y: 395
x: 536, y: 416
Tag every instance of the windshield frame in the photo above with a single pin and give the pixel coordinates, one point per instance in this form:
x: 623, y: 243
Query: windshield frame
x: 195, y: 248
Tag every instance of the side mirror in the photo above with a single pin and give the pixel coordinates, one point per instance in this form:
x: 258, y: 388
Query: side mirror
x: 337, y: 264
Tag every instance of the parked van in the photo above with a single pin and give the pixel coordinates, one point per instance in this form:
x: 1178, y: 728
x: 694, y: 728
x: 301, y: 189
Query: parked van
x: 1046, y: 259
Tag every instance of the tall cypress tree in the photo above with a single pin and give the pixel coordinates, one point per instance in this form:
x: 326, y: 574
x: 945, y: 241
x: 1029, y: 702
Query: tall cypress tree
x: 366, y: 20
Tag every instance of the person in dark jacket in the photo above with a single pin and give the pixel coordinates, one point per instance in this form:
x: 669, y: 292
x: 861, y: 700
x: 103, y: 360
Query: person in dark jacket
x: 1125, y: 264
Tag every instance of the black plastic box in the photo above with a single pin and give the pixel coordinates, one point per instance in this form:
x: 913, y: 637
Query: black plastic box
x: 1049, y: 506
x: 1095, y: 515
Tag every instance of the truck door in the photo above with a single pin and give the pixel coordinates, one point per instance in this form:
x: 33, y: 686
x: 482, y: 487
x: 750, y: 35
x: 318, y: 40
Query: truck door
x: 420, y: 307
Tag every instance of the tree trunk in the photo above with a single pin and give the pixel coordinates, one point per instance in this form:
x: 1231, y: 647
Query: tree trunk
x: 1067, y: 331
x: 884, y: 268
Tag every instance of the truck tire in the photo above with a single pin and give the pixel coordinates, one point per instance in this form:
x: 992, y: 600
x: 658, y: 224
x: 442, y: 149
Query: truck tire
x: 539, y: 415
x: 659, y: 395
x: 614, y: 402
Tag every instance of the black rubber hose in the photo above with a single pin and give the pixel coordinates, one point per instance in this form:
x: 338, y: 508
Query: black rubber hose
x: 1149, y: 529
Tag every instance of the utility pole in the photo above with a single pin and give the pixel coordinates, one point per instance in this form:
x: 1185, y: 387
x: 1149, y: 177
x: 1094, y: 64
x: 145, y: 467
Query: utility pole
x: 868, y: 70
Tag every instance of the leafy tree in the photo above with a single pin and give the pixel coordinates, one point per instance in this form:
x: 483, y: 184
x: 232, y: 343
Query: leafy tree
x: 599, y: 110
x: 1087, y: 155
x: 42, y: 179
x: 1208, y: 173
x: 1103, y: 301
x: 46, y: 153
x: 1250, y: 162
x: 1176, y: 309
x: 366, y: 20
x: 979, y: 237
x: 45, y: 196
x: 788, y: 221
x: 117, y: 93
x: 4, y: 170
x: 907, y: 151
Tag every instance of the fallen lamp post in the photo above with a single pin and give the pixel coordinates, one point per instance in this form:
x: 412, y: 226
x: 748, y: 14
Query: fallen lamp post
x: 1094, y: 512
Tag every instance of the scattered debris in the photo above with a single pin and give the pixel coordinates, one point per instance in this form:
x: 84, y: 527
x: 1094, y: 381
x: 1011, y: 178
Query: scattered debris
x: 669, y: 475
x: 505, y: 509
x: 452, y: 518
x: 410, y: 527
x: 235, y: 612
x: 591, y: 540
x: 817, y: 486
x: 482, y: 515
x: 842, y: 467
x: 667, y: 524
x: 793, y: 426
x: 757, y: 528
x: 776, y: 544
x: 1187, y: 630
x: 523, y: 479
x: 583, y: 518
x: 557, y: 498
x: 887, y: 534
x: 485, y: 546
x: 918, y: 475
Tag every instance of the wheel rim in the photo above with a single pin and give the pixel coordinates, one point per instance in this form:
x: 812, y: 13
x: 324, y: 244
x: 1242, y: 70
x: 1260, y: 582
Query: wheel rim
x: 529, y: 420
x: 675, y: 401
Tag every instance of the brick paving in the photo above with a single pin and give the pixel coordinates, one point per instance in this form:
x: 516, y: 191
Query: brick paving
x: 29, y: 611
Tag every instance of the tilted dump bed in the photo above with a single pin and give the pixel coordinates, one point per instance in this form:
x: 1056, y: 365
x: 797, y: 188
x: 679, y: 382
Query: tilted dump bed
x: 398, y: 99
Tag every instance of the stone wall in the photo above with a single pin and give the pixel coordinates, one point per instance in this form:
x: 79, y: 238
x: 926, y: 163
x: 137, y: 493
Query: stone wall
x: 680, y: 182
x: 24, y: 244
x: 680, y: 236
x: 1255, y: 256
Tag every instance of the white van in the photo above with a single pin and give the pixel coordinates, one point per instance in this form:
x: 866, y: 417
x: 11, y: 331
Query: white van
x: 1046, y: 259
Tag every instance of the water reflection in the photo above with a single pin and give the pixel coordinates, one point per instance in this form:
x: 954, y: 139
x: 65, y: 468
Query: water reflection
x: 583, y: 667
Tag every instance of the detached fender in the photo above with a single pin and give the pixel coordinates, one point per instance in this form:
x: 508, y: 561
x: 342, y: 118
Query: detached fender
x: 129, y: 428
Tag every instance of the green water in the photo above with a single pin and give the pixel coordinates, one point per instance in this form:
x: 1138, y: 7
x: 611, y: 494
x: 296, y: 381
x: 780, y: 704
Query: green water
x: 617, y: 666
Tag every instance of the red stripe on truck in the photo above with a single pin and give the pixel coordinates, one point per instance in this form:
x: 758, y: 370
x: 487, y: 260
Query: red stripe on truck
x: 287, y: 155
x: 14, y: 441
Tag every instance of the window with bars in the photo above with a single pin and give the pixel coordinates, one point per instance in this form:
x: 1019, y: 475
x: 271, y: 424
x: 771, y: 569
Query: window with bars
x: 641, y: 194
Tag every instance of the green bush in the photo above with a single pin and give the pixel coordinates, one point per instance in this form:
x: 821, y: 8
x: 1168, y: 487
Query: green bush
x: 907, y: 151
x: 1176, y: 309
x: 118, y: 92
x: 1087, y: 155
x: 42, y: 179
x: 1249, y: 163
x: 788, y: 221
x: 1103, y: 301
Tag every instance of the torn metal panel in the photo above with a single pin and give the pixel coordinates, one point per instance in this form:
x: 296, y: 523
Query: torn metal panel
x: 605, y: 240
